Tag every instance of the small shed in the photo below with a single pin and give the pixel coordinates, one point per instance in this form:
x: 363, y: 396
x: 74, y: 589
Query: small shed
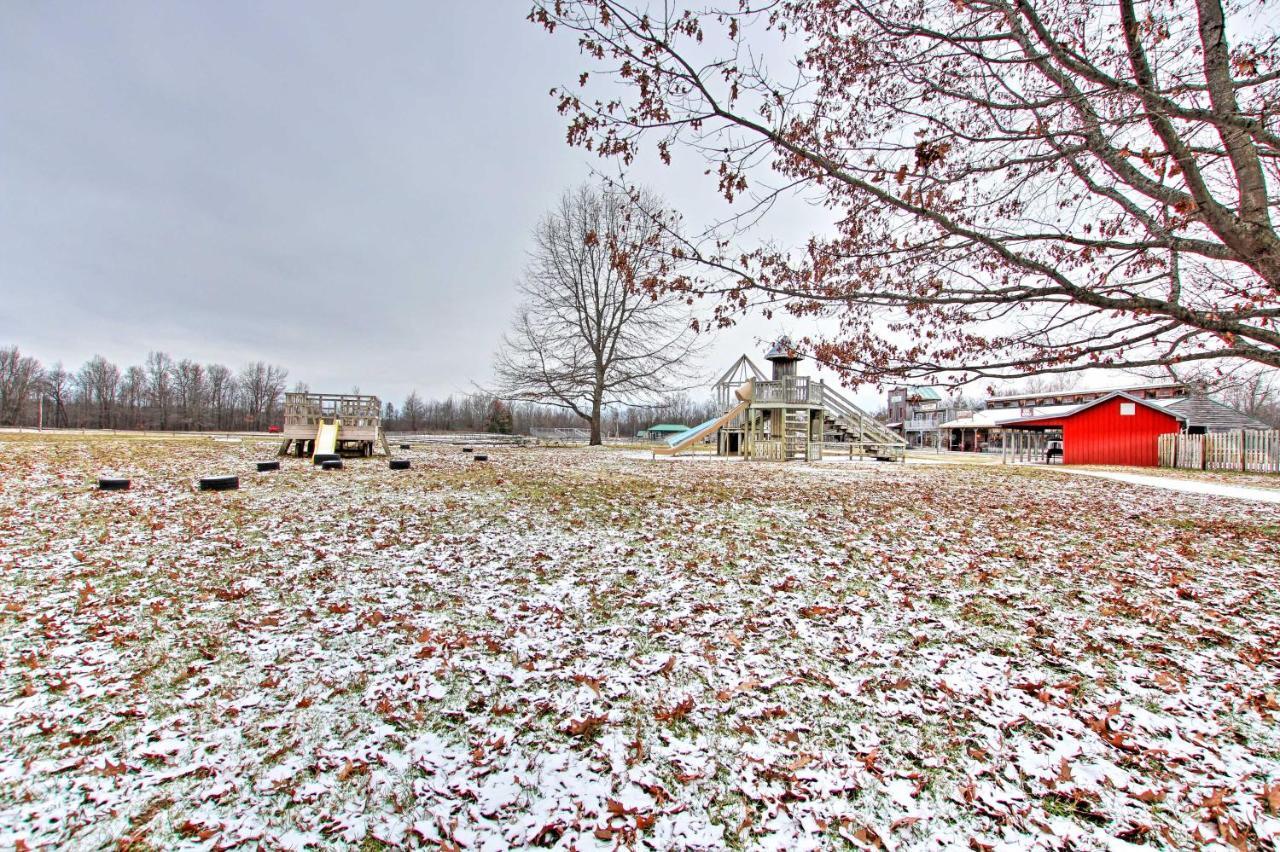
x: 1117, y: 429
x: 662, y: 431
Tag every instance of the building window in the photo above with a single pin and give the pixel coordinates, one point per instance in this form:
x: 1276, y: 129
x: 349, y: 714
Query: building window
x: 1127, y: 409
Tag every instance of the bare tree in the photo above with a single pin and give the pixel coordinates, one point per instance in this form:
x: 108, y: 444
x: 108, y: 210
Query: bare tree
x: 1017, y: 186
x: 133, y: 395
x: 99, y: 380
x: 261, y: 387
x: 189, y: 388
x: 593, y: 329
x: 412, y: 413
x: 160, y: 385
x: 1252, y: 391
x: 19, y: 375
x: 222, y: 394
x: 57, y: 385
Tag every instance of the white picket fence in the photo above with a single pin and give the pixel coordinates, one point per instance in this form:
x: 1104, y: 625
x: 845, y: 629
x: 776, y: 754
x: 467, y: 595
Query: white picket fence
x: 1251, y: 450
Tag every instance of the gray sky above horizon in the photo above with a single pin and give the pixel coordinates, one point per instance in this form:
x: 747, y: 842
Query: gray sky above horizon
x: 344, y: 189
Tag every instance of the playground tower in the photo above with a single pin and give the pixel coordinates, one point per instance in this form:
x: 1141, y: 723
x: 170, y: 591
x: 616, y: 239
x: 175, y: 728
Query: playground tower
x: 785, y: 418
x: 790, y: 416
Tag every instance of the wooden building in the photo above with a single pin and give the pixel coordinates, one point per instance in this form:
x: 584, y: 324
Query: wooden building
x: 918, y: 413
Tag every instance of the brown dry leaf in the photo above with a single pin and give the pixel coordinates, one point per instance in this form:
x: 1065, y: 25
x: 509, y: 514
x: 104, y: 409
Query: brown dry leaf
x: 1271, y: 798
x: 586, y: 680
x: 673, y: 714
x: 868, y: 836
x: 585, y: 727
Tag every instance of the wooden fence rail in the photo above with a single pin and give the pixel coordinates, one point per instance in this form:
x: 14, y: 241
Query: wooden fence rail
x: 1252, y: 450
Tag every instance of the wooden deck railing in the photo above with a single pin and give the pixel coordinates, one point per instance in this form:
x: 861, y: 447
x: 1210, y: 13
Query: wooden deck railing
x: 360, y: 414
x: 797, y: 389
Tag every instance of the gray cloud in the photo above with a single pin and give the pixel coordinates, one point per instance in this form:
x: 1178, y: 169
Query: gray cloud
x: 345, y: 189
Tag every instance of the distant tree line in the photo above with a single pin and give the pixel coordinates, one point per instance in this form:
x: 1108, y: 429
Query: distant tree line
x: 160, y: 393
x: 185, y: 395
x: 481, y: 412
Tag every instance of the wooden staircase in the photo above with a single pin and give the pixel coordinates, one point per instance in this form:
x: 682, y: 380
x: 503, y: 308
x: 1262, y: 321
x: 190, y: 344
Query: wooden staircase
x: 850, y: 424
x: 796, y: 434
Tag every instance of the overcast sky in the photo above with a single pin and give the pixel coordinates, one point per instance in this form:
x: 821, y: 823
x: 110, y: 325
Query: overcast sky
x: 344, y: 189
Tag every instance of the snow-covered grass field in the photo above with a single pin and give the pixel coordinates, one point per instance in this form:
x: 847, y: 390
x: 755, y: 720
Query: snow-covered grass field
x: 586, y: 649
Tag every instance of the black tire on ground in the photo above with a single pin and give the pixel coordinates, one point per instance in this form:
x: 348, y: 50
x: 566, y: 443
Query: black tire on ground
x: 321, y: 458
x: 331, y: 464
x: 219, y: 483
x: 113, y: 483
x: 479, y: 457
x: 265, y: 466
x: 400, y: 464
x: 405, y: 447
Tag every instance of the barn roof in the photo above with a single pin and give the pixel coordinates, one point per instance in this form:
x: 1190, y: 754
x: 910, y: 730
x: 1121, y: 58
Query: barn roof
x: 1048, y: 418
x: 1200, y: 410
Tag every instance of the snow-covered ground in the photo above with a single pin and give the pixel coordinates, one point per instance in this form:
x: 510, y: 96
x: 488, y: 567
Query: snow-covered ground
x: 576, y: 648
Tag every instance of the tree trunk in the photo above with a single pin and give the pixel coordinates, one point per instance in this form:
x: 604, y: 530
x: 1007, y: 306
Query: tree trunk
x: 595, y: 421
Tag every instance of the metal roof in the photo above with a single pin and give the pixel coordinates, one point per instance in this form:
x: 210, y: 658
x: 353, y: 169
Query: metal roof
x: 923, y: 392
x: 667, y: 427
x: 1200, y: 410
x: 782, y: 350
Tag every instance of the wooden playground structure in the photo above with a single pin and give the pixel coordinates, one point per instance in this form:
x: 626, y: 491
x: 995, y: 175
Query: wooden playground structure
x: 787, y: 417
x: 349, y: 424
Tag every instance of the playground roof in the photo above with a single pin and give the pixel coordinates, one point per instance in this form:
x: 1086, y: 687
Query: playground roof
x: 782, y: 350
x: 667, y: 427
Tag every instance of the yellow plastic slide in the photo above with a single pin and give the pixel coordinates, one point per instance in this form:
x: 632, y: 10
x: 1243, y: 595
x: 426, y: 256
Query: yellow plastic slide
x: 326, y: 437
x: 684, y: 440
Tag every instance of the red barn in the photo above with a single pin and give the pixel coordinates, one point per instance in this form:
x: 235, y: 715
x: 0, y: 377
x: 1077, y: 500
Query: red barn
x: 1117, y: 429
